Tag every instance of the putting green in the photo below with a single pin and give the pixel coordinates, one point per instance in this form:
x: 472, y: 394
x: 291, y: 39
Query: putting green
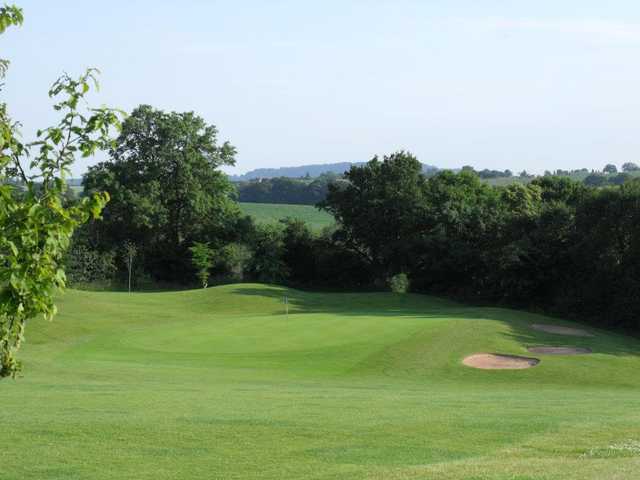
x: 220, y: 383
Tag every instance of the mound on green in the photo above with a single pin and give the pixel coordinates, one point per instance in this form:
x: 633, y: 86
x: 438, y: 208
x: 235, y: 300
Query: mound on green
x: 220, y: 383
x: 560, y: 350
x: 273, y: 212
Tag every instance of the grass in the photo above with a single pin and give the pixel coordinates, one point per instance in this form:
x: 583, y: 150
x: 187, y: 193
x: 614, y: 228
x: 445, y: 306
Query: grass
x: 220, y: 384
x: 272, y: 212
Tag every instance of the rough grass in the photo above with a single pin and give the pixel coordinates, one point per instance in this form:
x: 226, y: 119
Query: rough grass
x: 272, y: 212
x: 220, y: 384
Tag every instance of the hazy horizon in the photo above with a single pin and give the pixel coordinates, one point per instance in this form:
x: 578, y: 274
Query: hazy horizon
x: 537, y: 87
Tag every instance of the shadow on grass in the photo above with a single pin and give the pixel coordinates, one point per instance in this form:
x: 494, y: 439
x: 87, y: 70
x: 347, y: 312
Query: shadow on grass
x: 385, y: 304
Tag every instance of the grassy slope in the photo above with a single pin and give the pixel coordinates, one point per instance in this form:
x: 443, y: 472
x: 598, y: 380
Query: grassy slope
x: 272, y: 212
x: 220, y: 384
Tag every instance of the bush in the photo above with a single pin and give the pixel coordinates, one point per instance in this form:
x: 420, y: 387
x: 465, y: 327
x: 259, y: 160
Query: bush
x: 399, y: 283
x: 86, y: 266
x: 234, y: 259
x: 266, y: 263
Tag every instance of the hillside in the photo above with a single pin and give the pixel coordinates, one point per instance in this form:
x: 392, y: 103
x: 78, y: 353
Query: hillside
x: 220, y: 383
x: 304, y: 170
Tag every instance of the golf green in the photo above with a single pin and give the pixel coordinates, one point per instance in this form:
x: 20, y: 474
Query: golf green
x: 222, y: 384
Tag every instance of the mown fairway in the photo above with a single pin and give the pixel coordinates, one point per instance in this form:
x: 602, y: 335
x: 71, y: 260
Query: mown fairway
x: 272, y: 212
x: 220, y: 384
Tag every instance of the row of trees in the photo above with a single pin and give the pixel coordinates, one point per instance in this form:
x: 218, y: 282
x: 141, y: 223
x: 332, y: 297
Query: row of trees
x: 601, y: 179
x: 488, y: 174
x: 554, y: 244
x: 311, y: 191
x: 297, y: 191
x: 628, y: 167
x: 171, y: 205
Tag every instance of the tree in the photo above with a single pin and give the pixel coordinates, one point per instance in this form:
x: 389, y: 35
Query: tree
x: 620, y: 178
x: 234, y: 258
x: 286, y: 190
x: 399, y: 283
x: 36, y: 223
x: 559, y: 190
x: 299, y: 253
x: 607, y: 252
x: 267, y: 264
x: 610, y: 168
x: 379, y: 211
x: 166, y: 189
x: 457, y: 231
x: 630, y: 167
x: 86, y: 266
x: 595, y: 180
x: 130, y: 251
x: 202, y: 258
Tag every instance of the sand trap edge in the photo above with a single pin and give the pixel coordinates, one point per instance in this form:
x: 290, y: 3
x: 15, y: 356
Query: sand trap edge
x: 560, y: 330
x: 498, y: 361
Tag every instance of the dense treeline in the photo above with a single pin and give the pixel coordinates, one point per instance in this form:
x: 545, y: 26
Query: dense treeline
x: 296, y: 191
x: 487, y: 174
x: 310, y: 191
x: 553, y: 243
x: 167, y: 195
x: 601, y: 179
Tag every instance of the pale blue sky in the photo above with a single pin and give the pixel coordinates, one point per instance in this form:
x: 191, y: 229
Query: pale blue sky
x: 496, y: 84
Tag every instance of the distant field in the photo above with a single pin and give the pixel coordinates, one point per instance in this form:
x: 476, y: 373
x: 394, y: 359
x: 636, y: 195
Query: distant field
x: 272, y: 212
x: 504, y: 181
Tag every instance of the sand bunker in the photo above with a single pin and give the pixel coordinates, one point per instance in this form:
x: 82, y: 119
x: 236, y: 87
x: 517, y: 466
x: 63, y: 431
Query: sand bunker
x: 496, y: 361
x: 560, y: 350
x: 557, y: 329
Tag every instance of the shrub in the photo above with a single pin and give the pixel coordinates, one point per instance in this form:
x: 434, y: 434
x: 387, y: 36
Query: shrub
x: 399, y: 283
x: 234, y: 259
x: 85, y: 266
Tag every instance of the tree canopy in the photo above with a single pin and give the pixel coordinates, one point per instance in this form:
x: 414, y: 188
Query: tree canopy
x: 36, y: 222
x: 378, y: 209
x: 167, y: 191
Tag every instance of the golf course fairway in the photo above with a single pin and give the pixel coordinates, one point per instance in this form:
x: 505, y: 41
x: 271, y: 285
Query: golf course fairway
x: 222, y: 384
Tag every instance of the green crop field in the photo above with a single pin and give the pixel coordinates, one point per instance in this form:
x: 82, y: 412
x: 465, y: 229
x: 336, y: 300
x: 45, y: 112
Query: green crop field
x: 272, y: 212
x: 221, y: 384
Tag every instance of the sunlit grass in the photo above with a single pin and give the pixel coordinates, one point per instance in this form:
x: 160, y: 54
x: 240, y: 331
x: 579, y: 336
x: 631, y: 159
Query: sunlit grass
x: 272, y: 212
x: 220, y: 383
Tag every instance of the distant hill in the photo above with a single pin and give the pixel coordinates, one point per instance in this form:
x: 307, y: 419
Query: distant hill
x: 304, y: 170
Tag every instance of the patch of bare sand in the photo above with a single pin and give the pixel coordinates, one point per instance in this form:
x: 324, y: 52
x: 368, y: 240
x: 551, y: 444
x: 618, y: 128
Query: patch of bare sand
x: 560, y: 350
x: 559, y: 330
x: 496, y: 361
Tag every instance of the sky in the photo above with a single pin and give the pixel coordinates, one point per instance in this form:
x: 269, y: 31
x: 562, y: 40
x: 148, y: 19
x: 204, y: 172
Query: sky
x: 536, y: 85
